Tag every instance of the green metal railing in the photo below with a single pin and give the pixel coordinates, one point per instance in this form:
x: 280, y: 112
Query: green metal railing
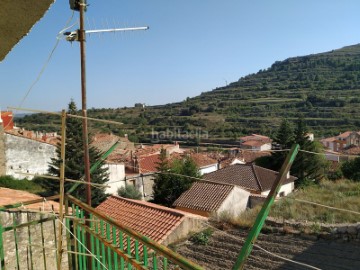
x: 93, y: 241
x: 113, y: 246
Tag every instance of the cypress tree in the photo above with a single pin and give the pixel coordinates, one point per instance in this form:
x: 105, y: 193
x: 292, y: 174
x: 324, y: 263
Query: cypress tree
x: 74, y: 163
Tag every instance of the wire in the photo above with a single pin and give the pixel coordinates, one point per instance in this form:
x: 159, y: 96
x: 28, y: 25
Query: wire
x: 90, y: 253
x: 326, y: 206
x: 44, y: 66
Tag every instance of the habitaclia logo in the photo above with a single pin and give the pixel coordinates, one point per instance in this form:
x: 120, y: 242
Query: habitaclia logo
x: 178, y: 134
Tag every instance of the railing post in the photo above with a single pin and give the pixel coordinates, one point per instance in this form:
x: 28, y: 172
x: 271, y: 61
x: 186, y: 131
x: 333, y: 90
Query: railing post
x: 61, y: 193
x: 260, y: 219
x: 2, y: 256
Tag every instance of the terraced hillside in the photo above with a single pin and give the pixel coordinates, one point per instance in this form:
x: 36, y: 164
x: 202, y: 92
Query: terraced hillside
x: 223, y: 248
x: 324, y: 88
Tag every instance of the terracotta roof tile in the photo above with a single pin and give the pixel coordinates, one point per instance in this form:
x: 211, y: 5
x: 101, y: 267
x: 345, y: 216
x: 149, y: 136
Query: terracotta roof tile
x: 149, y: 163
x: 248, y: 176
x: 12, y: 196
x: 148, y: 219
x: 204, y: 196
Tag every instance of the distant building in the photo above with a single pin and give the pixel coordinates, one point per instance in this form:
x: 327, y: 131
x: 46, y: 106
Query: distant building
x: 255, y: 142
x: 139, y: 105
x: 342, y: 141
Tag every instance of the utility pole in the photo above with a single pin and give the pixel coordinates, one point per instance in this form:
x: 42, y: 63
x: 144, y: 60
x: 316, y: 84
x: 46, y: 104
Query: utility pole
x: 82, y: 40
x: 80, y: 35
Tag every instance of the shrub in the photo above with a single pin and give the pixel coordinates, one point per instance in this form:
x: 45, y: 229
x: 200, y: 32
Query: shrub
x: 129, y: 192
x: 20, y: 184
x: 203, y: 237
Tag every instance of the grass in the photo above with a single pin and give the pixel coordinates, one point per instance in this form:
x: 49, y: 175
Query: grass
x: 343, y: 194
x: 20, y: 184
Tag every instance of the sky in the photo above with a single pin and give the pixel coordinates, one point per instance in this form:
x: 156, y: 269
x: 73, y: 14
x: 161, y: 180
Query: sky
x: 190, y: 48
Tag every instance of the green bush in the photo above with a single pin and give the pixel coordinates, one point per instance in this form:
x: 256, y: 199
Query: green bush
x: 129, y: 192
x: 202, y: 238
x: 20, y: 184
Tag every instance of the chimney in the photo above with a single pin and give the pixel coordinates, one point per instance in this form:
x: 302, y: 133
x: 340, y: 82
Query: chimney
x: 288, y: 175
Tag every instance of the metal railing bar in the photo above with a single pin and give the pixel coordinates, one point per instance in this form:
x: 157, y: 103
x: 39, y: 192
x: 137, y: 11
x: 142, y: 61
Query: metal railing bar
x: 174, y: 257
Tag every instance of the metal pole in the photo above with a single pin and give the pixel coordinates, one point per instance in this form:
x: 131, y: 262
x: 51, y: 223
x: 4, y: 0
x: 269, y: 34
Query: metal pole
x: 62, y: 183
x: 260, y: 219
x: 83, y: 101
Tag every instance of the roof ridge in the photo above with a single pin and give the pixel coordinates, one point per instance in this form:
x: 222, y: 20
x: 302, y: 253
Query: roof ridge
x: 256, y: 176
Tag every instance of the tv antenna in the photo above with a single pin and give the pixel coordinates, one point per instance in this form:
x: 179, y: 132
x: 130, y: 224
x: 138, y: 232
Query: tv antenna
x: 74, y: 35
x: 80, y: 35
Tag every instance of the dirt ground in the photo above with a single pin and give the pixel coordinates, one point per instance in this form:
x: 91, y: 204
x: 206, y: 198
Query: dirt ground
x: 223, y: 248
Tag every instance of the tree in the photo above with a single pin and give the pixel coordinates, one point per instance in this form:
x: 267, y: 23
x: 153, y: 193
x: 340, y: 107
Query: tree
x: 351, y: 169
x: 129, y: 191
x: 74, y: 163
x: 307, y: 166
x: 173, y: 179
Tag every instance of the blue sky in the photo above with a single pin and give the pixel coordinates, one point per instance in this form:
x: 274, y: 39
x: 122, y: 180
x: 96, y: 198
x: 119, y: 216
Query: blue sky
x: 191, y: 47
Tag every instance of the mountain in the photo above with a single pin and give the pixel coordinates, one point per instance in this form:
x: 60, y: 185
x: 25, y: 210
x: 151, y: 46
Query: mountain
x: 324, y: 88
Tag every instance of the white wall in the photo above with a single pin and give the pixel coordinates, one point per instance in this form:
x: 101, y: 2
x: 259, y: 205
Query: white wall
x: 265, y: 147
x: 116, y: 173
x: 235, y: 203
x: 27, y: 156
x: 287, y: 189
x: 208, y: 169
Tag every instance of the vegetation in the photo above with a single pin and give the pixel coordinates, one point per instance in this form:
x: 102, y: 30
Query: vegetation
x: 351, y: 169
x: 323, y: 87
x: 74, y: 164
x: 130, y: 192
x: 306, y: 167
x: 20, y: 184
x: 343, y: 194
x: 169, y: 182
x: 202, y: 238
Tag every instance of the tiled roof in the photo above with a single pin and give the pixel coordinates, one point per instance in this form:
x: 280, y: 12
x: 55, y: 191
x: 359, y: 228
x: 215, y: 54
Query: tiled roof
x: 149, y: 163
x: 12, y: 196
x: 204, y: 196
x: 151, y: 220
x: 248, y: 176
x: 203, y: 160
x: 255, y: 137
x: 103, y: 141
x: 254, y: 143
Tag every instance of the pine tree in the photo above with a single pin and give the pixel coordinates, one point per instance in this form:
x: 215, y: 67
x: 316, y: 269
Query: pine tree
x: 307, y: 166
x: 172, y: 180
x: 161, y: 179
x: 74, y: 163
x: 285, y: 138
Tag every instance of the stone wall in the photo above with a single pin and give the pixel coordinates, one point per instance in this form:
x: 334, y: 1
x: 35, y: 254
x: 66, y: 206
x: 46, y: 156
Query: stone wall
x: 341, y: 232
x: 25, y: 155
x: 22, y: 234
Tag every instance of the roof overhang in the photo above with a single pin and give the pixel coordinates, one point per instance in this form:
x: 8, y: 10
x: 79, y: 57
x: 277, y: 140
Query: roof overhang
x: 16, y: 20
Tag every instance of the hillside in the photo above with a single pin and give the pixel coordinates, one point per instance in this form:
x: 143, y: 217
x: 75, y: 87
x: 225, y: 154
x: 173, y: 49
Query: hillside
x: 324, y: 88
